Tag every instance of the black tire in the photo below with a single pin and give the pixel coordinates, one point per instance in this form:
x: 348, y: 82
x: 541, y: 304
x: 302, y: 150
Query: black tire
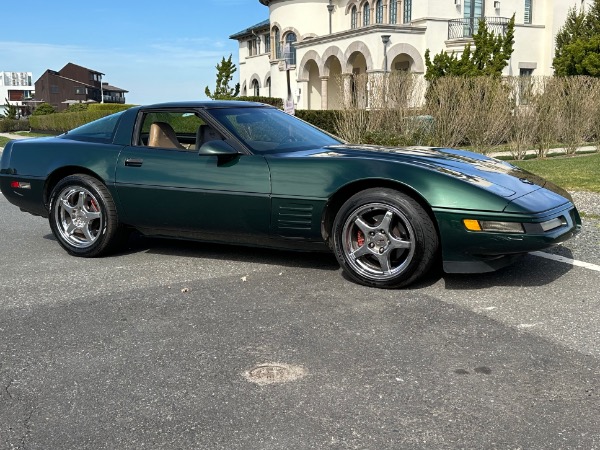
x: 384, y: 238
x: 83, y: 217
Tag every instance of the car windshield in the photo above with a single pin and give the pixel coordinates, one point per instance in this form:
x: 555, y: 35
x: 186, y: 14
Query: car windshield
x: 269, y: 130
x: 101, y: 130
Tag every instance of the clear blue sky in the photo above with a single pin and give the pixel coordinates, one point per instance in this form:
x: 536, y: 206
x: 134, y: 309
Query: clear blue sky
x: 158, y: 51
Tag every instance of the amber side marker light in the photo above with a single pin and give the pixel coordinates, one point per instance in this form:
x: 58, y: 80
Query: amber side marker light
x: 492, y: 226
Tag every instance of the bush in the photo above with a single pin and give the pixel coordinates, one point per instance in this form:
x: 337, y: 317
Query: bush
x: 8, y: 125
x: 64, y: 121
x: 109, y: 108
x: 77, y: 107
x: 325, y: 120
x: 273, y: 101
x: 44, y: 109
x: 61, y: 122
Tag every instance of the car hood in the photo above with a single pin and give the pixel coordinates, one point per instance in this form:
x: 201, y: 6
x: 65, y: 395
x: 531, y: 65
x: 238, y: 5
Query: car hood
x: 489, y: 173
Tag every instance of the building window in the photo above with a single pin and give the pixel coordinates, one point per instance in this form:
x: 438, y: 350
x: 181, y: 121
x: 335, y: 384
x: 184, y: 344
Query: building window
x: 80, y: 90
x: 290, y: 50
x: 366, y: 15
x: 54, y: 89
x: 393, y: 11
x: 277, y: 39
x: 268, y: 84
x: 255, y: 88
x: 379, y: 12
x: 407, y: 11
x: 354, y: 18
x: 528, y: 11
x: 267, y: 39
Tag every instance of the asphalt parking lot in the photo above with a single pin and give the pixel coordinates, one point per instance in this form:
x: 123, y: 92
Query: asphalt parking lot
x: 155, y: 348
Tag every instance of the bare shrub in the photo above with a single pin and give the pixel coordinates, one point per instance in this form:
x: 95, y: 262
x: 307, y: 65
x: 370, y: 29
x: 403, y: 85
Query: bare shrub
x: 546, y: 103
x: 576, y: 104
x: 594, y: 132
x: 490, y: 109
x: 391, y: 99
x: 523, y: 119
x: 448, y: 104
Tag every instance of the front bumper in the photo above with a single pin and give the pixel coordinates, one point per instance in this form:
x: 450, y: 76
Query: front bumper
x: 466, y: 251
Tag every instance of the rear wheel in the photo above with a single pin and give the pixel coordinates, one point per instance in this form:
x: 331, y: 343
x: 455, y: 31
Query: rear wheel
x: 83, y: 216
x: 384, y: 238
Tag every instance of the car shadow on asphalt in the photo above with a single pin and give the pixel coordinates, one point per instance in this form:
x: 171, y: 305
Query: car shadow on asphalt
x: 229, y: 252
x: 529, y: 271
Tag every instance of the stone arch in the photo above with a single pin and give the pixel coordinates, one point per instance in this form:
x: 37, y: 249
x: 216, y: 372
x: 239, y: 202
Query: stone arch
x: 266, y: 78
x: 289, y: 30
x: 356, y: 47
x: 311, y: 55
x: 351, y: 4
x: 254, y: 79
x: 257, y: 78
x: 330, y: 52
x: 407, y: 49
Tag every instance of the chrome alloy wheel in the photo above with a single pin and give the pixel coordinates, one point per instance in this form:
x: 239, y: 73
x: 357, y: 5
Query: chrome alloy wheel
x: 78, y: 216
x: 378, y: 241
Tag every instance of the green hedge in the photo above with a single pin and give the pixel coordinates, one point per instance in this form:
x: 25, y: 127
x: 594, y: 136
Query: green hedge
x: 110, y: 108
x: 61, y: 122
x: 324, y: 119
x: 8, y: 125
x: 65, y: 121
x: 273, y: 101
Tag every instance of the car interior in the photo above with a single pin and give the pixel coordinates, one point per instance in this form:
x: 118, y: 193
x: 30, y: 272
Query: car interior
x: 162, y: 135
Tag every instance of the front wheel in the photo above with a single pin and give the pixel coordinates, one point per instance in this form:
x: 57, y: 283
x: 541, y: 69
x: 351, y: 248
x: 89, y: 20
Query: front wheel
x: 83, y: 216
x: 383, y: 238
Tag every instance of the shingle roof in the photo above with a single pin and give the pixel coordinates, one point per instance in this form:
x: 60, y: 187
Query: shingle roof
x: 248, y: 31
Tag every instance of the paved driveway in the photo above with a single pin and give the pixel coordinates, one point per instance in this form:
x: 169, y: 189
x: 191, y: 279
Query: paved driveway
x: 152, y: 348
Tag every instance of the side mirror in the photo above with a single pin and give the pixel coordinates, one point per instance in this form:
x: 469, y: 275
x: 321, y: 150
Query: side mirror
x: 217, y: 148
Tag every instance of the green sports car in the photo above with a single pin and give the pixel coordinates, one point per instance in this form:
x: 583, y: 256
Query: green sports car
x: 246, y: 173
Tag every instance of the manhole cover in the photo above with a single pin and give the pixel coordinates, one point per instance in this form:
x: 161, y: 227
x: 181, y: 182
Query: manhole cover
x: 274, y: 373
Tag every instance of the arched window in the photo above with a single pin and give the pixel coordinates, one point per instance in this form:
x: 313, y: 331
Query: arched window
x: 366, y: 15
x: 379, y: 12
x: 277, y: 42
x: 354, y: 18
x: 393, y: 11
x: 290, y: 38
x: 528, y: 10
x: 268, y: 83
x: 255, y: 88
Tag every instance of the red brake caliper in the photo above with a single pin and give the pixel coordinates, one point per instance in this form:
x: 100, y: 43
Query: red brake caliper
x: 360, y: 238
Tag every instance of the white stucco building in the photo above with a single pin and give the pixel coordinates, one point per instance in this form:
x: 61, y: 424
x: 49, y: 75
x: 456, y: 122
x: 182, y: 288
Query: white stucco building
x: 15, y: 87
x: 332, y: 40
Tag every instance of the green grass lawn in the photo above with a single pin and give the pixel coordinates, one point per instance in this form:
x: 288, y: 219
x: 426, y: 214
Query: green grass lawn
x: 574, y: 173
x: 33, y: 134
x: 3, y: 141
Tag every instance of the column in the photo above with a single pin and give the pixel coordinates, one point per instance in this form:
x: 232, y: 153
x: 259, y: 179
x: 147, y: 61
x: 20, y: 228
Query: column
x: 324, y: 86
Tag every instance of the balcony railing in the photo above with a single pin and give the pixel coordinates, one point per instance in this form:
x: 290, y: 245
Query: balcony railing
x: 465, y: 28
x: 113, y: 99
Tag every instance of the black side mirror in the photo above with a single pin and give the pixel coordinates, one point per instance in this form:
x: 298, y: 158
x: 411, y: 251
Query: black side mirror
x: 217, y: 148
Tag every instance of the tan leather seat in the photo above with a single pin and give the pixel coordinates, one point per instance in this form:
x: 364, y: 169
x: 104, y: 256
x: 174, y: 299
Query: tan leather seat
x: 163, y: 135
x: 205, y: 134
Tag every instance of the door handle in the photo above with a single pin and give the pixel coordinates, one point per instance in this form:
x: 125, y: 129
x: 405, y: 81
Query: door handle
x: 132, y: 162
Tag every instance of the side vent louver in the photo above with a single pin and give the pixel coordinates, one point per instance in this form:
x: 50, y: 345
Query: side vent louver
x: 295, y: 217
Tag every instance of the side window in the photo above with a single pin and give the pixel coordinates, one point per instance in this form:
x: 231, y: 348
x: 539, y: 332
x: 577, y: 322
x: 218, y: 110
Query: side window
x: 171, y: 129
